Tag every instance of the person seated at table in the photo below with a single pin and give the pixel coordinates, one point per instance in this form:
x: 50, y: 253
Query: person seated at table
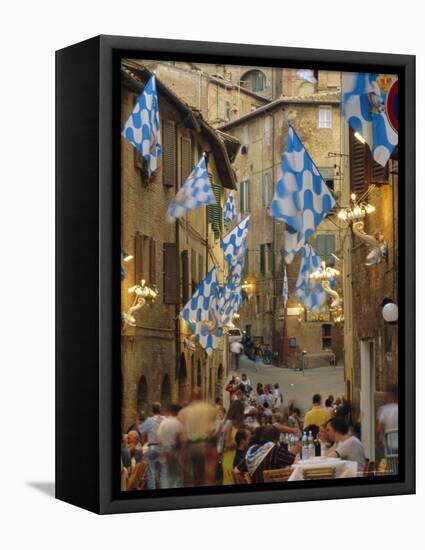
x: 294, y: 419
x: 317, y: 414
x: 348, y: 447
x: 268, y: 454
x: 242, y: 438
x: 326, y: 437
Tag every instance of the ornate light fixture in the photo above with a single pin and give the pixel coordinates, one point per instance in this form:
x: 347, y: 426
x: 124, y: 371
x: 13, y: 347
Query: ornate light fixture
x: 143, y: 294
x: 324, y: 275
x: 356, y: 215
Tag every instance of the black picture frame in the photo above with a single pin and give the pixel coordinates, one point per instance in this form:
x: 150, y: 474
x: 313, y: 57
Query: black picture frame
x: 88, y: 260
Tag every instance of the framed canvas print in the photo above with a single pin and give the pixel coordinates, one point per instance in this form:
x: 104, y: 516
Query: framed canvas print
x: 235, y: 274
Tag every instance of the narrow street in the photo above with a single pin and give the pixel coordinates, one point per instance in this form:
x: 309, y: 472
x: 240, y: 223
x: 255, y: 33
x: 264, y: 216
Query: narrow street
x: 296, y: 385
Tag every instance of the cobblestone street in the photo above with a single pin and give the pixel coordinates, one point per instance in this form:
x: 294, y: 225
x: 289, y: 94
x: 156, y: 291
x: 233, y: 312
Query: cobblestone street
x: 296, y: 385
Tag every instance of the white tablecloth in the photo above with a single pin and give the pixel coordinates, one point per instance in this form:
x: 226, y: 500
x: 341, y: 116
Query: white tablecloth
x: 343, y: 468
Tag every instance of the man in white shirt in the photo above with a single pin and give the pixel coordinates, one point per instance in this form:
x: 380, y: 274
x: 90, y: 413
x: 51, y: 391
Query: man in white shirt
x: 149, y: 432
x: 348, y: 447
x: 236, y: 348
x: 169, y: 438
x: 387, y: 419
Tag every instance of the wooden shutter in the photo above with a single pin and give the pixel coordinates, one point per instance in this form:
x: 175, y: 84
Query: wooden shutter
x: 152, y: 261
x: 215, y: 211
x: 138, y: 258
x: 171, y: 274
x: 185, y: 276
x: 169, y: 153
x: 262, y: 258
x: 186, y: 166
x: 358, y: 166
x: 242, y: 196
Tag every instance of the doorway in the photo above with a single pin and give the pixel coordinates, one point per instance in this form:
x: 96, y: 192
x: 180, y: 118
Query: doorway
x: 367, y: 396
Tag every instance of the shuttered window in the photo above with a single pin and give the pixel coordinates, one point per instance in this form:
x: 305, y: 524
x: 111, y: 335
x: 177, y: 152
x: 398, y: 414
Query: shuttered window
x: 325, y: 117
x: 215, y: 211
x: 169, y: 153
x: 245, y: 271
x: 152, y: 261
x: 244, y: 196
x: 138, y: 258
x: 200, y: 267
x: 363, y: 169
x: 262, y: 258
x: 266, y: 258
x: 325, y: 245
x: 266, y: 189
x: 171, y: 276
x: 186, y: 166
x: 194, y: 270
x: 185, y: 276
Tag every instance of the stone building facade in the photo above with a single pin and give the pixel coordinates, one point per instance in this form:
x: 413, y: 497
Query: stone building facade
x: 157, y: 362
x: 263, y: 135
x: 219, y: 98
x: 371, y: 344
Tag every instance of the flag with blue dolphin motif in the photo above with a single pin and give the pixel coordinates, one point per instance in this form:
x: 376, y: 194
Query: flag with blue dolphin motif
x: 364, y: 105
x: 307, y: 290
x: 142, y: 128
x: 229, y: 213
x: 202, y: 312
x: 195, y: 192
x: 234, y: 243
x: 302, y: 199
x: 230, y: 300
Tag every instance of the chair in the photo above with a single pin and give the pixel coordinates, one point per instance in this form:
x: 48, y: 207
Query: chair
x: 382, y: 469
x: 137, y: 479
x: 238, y: 478
x: 369, y: 467
x: 318, y: 473
x: 277, y: 475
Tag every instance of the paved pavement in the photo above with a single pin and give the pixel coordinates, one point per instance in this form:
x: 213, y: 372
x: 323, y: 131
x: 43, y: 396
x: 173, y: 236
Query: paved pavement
x: 296, y: 385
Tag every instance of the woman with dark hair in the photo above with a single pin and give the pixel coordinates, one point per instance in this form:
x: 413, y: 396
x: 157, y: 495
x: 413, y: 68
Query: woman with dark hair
x: 234, y: 421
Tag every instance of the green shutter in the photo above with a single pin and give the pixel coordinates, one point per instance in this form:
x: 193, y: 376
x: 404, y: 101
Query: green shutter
x: 215, y: 211
x: 262, y: 258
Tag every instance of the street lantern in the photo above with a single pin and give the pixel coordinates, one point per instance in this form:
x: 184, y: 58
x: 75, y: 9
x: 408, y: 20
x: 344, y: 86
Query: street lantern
x: 389, y: 311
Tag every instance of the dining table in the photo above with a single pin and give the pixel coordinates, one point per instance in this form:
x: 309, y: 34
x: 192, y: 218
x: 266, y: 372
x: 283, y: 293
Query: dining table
x: 343, y: 468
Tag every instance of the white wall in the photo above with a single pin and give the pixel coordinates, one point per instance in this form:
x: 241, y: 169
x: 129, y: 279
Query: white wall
x: 30, y: 32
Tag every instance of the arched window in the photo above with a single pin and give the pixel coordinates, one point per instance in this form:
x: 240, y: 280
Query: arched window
x: 199, y: 375
x: 142, y: 395
x: 254, y: 80
x: 165, y: 392
x: 182, y: 377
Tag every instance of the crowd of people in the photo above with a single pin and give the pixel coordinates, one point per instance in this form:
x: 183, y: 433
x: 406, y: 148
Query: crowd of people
x: 203, y: 444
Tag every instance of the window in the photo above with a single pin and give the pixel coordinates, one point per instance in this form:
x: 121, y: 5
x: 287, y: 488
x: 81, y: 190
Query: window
x: 186, y: 158
x: 325, y: 117
x: 325, y: 245
x: 215, y: 211
x: 194, y: 270
x: 266, y: 258
x: 326, y: 337
x: 145, y: 259
x: 171, y: 275
x: 245, y: 271
x: 200, y: 267
x: 169, y: 153
x: 257, y: 303
x: 185, y: 276
x: 244, y: 196
x: 227, y: 108
x: 266, y: 188
x: 328, y: 175
x: 254, y: 80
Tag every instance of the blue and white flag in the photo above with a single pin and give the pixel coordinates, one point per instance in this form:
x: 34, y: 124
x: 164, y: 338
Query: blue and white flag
x: 307, y: 290
x: 230, y: 301
x: 202, y: 313
x: 234, y: 243
x: 229, y: 213
x: 285, y: 290
x: 195, y: 192
x: 142, y: 128
x: 307, y: 74
x: 302, y: 199
x: 364, y: 105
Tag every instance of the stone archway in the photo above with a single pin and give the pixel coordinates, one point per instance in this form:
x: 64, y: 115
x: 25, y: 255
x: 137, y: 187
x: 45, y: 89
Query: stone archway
x: 165, y: 392
x: 142, y: 396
